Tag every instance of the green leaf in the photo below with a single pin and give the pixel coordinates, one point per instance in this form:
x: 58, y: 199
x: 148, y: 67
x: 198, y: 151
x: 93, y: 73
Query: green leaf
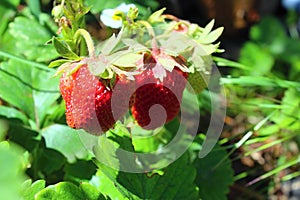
x: 214, y: 174
x: 48, y: 161
x: 8, y: 9
x: 12, y: 113
x: 288, y: 118
x: 107, y: 149
x: 198, y: 82
x: 157, y: 16
x: 28, y: 62
x: 207, y: 29
x: 57, y: 63
x: 134, y: 45
x: 4, y: 126
x: 29, y: 192
x: 62, y: 190
x: 24, y: 136
x: 105, y: 152
x: 106, y: 185
x: 152, y: 4
x: 34, y: 90
x: 109, y: 45
x: 149, y: 141
x: 90, y: 192
x: 212, y: 36
x: 26, y: 37
x: 143, y: 6
x: 291, y: 102
x: 98, y: 6
x: 56, y: 114
x: 127, y: 59
x: 167, y: 62
x: 46, y: 194
x: 176, y: 183
x: 260, y: 60
x: 69, y: 191
x: 75, y: 173
x: 65, y: 140
x: 12, y: 173
x: 176, y: 44
x: 34, y: 7
x: 64, y: 50
x: 261, y: 31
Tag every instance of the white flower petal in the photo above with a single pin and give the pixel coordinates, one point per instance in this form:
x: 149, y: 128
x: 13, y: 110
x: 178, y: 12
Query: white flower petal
x: 108, y: 12
x: 109, y: 21
x: 125, y: 7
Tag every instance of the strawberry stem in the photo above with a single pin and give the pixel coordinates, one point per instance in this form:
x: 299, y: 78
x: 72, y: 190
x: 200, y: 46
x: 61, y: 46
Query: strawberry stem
x: 148, y: 27
x: 62, y: 3
x: 88, y: 39
x: 151, y: 33
x: 171, y: 17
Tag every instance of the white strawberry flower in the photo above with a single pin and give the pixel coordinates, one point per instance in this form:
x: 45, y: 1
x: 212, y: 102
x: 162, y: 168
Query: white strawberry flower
x: 113, y: 17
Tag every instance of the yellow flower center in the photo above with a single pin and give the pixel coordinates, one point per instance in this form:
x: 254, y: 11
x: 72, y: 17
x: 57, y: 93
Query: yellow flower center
x: 118, y: 15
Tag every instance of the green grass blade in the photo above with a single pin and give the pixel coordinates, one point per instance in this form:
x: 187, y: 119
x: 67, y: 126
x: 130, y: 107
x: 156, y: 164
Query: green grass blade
x: 275, y: 171
x: 260, y: 81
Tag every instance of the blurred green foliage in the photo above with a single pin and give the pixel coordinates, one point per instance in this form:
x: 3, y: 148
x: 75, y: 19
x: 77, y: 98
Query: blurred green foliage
x: 265, y: 86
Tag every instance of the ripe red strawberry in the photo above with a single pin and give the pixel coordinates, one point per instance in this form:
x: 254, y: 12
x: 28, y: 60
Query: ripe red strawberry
x: 88, y: 101
x: 151, y: 91
x: 66, y: 88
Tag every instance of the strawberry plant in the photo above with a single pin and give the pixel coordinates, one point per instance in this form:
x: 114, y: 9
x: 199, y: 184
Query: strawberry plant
x: 121, y: 100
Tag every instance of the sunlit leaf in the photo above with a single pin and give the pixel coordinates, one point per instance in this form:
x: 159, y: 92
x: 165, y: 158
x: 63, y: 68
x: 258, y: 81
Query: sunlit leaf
x: 127, y: 59
x: 29, y: 192
x: 157, y: 16
x: 176, y: 44
x: 26, y: 37
x: 212, y: 36
x: 8, y: 9
x: 12, y: 113
x: 134, y: 45
x: 34, y: 90
x: 176, y: 183
x: 62, y: 190
x: 63, y: 49
x: 111, y: 43
x: 65, y: 140
x: 90, y: 192
x: 66, y: 190
x: 207, y: 29
x: 105, y: 184
x: 12, y: 173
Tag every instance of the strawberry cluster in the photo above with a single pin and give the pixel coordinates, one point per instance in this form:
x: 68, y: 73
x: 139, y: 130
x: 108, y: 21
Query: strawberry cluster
x: 145, y: 75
